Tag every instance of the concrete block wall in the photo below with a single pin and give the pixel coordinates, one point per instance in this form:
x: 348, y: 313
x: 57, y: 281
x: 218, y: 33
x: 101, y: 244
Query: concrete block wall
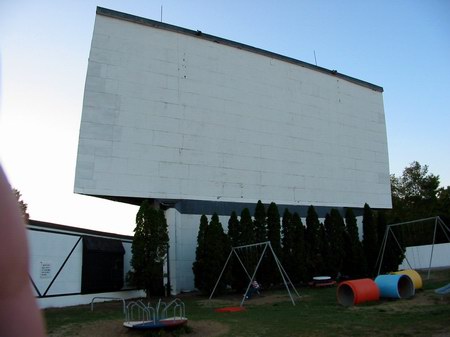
x: 169, y: 115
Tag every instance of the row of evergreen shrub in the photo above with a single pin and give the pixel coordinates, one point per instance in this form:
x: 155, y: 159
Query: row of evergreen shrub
x: 331, y: 247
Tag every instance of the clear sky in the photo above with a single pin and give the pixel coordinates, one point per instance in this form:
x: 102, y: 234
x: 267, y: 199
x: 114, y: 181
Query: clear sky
x: 401, y: 45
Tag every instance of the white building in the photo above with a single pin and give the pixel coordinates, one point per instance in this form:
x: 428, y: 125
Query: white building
x: 72, y: 266
x: 202, y: 124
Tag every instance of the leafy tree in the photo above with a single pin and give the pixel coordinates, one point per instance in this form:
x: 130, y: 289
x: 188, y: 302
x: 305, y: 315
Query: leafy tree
x: 443, y: 204
x: 370, y: 240
x: 22, y: 205
x: 415, y: 193
x: 259, y: 223
x: 355, y: 264
x: 149, y: 249
x: 198, y: 266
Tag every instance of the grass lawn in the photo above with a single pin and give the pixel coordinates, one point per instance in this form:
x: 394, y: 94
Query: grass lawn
x: 316, y: 313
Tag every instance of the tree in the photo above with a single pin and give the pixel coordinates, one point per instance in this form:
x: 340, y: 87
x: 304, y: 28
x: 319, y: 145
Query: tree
x: 370, y: 240
x: 149, y: 249
x: 355, y: 264
x: 443, y: 205
x: 238, y: 276
x: 247, y: 228
x: 287, y: 242
x: 217, y: 248
x: 274, y: 227
x: 198, y: 266
x: 274, y: 236
x: 22, y: 205
x: 233, y: 229
x: 336, y: 243
x: 393, y: 255
x: 259, y: 223
x: 415, y: 193
x: 298, y: 250
x: 314, y: 260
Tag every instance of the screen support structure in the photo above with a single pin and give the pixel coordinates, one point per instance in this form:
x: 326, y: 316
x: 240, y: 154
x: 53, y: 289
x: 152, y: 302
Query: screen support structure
x: 266, y: 246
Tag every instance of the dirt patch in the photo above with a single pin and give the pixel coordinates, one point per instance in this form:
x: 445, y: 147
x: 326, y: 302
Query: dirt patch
x: 114, y: 328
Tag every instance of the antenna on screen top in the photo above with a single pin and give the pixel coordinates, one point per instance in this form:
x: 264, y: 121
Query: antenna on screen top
x: 315, y: 59
x: 161, y: 12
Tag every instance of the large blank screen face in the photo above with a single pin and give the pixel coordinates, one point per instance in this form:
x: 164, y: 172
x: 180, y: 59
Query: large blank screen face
x: 172, y: 115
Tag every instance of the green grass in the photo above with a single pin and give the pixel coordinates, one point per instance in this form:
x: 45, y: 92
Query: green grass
x: 317, y: 313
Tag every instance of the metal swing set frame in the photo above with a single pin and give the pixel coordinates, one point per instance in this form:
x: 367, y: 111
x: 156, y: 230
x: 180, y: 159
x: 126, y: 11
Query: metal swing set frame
x: 265, y: 245
x: 437, y: 222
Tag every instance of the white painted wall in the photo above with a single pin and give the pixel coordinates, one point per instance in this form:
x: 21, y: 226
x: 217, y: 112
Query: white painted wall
x: 48, y: 251
x: 183, y: 231
x: 47, y: 254
x: 419, y: 256
x: 172, y: 116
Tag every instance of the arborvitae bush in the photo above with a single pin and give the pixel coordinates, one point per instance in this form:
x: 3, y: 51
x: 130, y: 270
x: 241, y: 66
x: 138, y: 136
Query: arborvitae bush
x: 393, y: 255
x: 247, y: 228
x: 199, y: 265
x: 336, y: 241
x: 287, y: 242
x: 370, y: 240
x: 239, y: 279
x: 259, y: 222
x: 149, y: 250
x: 314, y: 261
x: 217, y: 248
x: 274, y: 236
x: 355, y: 264
x: 298, y: 250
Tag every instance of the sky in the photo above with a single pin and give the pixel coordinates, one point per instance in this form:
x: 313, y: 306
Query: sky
x: 402, y: 46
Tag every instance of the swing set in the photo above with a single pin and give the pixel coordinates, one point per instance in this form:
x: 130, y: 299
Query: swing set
x: 405, y: 228
x: 254, y: 253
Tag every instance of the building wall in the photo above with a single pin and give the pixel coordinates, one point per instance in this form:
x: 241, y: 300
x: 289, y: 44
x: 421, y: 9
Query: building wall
x: 419, y: 257
x: 173, y: 115
x: 203, y: 125
x: 56, y: 254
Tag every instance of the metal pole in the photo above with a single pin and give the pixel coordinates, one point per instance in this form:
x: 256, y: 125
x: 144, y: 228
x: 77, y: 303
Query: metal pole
x: 432, y: 248
x: 242, y: 264
x: 382, y: 248
x: 254, y: 273
x: 223, y: 269
x: 282, y: 275
x: 285, y: 273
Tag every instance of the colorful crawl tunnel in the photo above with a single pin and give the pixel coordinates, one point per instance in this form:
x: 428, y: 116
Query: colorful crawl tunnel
x: 357, y: 291
x: 395, y: 286
x: 415, y: 277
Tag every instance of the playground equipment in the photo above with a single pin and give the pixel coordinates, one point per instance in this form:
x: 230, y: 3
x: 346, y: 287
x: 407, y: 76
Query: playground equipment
x: 436, y: 224
x: 140, y: 316
x: 357, y: 291
x: 322, y: 281
x: 415, y: 277
x: 240, y: 250
x: 445, y: 290
x: 395, y: 286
